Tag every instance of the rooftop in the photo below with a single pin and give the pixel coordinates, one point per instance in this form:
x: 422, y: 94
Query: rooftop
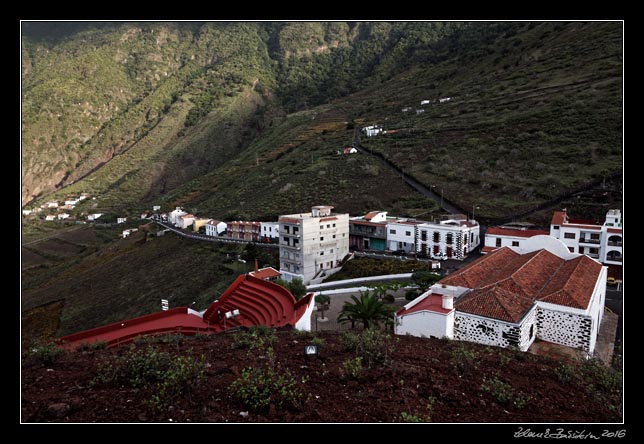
x: 516, y: 232
x: 265, y: 273
x: 505, y: 284
x: 434, y: 302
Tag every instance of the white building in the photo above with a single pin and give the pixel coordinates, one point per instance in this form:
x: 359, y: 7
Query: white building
x: 215, y: 227
x: 50, y: 217
x: 420, y: 111
x: 372, y: 130
x: 174, y: 215
x: 312, y: 244
x: 508, y: 298
x: 185, y: 220
x: 451, y: 239
x: 156, y: 208
x: 63, y: 216
x: 71, y: 201
x: 406, y: 109
x: 424, y: 102
x: 52, y: 204
x: 26, y: 212
x: 601, y: 242
x: 126, y: 233
x: 401, y: 235
x: 269, y: 230
x: 444, y: 99
x: 506, y: 236
x: 94, y: 216
x: 145, y: 215
x: 121, y: 220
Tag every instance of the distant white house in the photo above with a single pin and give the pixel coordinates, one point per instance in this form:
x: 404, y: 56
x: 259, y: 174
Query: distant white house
x: 349, y: 150
x: 26, y: 212
x: 52, y: 204
x: 269, y: 230
x: 94, y: 216
x: 63, y: 216
x: 121, y: 220
x: 215, y: 227
x: 420, y: 111
x: 406, y: 109
x: 425, y: 102
x: 444, y: 99
x: 126, y: 233
x: 174, y: 216
x: 71, y: 201
x: 372, y: 130
x: 50, y: 217
x: 144, y: 215
x: 185, y: 220
x: 82, y: 197
x: 156, y: 208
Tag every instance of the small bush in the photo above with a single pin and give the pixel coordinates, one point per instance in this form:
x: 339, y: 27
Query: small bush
x: 373, y: 345
x: 257, y: 388
x: 352, y: 367
x: 406, y: 417
x: 318, y: 341
x: 463, y: 359
x: 255, y: 338
x: 410, y: 295
x: 86, y: 346
x: 504, y: 393
x: 45, y: 353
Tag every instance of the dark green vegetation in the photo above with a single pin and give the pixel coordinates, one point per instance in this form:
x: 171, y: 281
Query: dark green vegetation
x: 361, y: 376
x: 197, y: 114
x: 365, y: 266
x: 367, y: 310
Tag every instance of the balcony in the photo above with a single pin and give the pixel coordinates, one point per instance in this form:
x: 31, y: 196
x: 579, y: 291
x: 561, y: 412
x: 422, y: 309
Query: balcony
x: 614, y: 244
x: 589, y: 241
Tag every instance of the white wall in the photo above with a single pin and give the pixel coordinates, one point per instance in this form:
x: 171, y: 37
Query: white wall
x: 426, y: 324
x: 269, y: 230
x: 402, y: 237
x: 464, y: 239
x: 469, y: 327
x: 304, y: 323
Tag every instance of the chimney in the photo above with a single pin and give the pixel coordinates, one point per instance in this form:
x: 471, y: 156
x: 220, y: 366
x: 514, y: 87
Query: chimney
x: 448, y: 301
x: 256, y: 266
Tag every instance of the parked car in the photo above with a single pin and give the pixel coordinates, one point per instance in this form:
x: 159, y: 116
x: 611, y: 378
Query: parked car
x: 611, y: 281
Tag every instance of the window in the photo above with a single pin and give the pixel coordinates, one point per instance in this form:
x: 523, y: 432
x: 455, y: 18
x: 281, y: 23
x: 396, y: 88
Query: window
x: 343, y: 234
x: 437, y: 237
x: 423, y: 235
x: 594, y: 236
x: 321, y: 238
x: 321, y: 253
x: 333, y: 225
x: 334, y: 236
x: 581, y: 250
x: 471, y: 237
x: 572, y: 250
x: 331, y: 250
x: 450, y: 238
x: 498, y: 241
x: 569, y: 235
x: 407, y: 233
x: 515, y: 243
x: 555, y: 227
x: 295, y: 230
x: 296, y: 242
x: 321, y: 227
x: 328, y: 225
x: 593, y: 250
x: 392, y: 231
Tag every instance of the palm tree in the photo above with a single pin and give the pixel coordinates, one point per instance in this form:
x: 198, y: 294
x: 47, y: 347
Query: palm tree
x: 368, y: 310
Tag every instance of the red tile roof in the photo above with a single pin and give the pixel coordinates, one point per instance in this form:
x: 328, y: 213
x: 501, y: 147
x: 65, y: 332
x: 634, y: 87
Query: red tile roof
x: 505, y: 284
x: 516, y: 232
x: 369, y: 224
x: 558, y: 218
x: 265, y: 273
x: 289, y: 220
x: 488, y: 249
x: 326, y: 219
x: 615, y: 230
x: 434, y: 302
x: 370, y: 215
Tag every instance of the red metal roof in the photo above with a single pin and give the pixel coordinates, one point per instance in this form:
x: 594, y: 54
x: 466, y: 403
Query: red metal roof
x: 434, y: 302
x: 370, y: 215
x: 516, y: 232
x: 615, y: 230
x: 505, y: 284
x: 289, y: 220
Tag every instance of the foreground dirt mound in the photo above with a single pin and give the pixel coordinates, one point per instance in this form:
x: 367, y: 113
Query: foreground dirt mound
x: 354, y: 379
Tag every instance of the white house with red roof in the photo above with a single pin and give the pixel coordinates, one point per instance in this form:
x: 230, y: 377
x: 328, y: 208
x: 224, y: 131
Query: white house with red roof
x: 508, y: 236
x: 510, y: 298
x: 599, y: 241
x: 215, y: 227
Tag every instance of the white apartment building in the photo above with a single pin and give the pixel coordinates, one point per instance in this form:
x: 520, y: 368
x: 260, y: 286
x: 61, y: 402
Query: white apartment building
x: 601, y: 242
x: 269, y: 230
x: 401, y: 235
x: 174, y: 215
x: 451, y: 238
x: 312, y: 243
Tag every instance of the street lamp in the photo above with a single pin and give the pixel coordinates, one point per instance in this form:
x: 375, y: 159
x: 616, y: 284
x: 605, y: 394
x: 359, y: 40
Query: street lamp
x: 474, y: 207
x: 230, y: 315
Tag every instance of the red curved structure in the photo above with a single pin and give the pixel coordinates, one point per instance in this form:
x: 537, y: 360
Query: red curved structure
x: 259, y: 303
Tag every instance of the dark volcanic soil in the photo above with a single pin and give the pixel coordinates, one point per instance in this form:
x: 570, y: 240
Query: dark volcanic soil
x: 449, y: 372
